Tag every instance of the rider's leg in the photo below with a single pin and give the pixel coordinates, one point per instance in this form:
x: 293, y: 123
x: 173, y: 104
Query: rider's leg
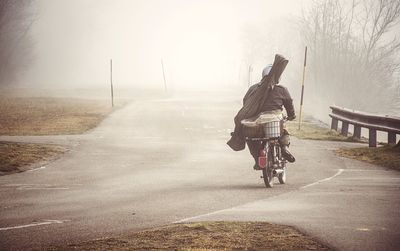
x: 254, y: 148
x: 284, y: 141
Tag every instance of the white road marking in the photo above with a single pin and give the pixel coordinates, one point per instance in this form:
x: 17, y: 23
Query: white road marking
x: 203, y: 215
x: 46, y: 222
x: 33, y: 184
x: 323, y: 180
x: 42, y: 188
x: 144, y: 137
x: 372, y: 178
x: 18, y: 184
x: 36, y: 186
x: 363, y: 170
x: 363, y: 229
x: 36, y: 169
x: 232, y: 208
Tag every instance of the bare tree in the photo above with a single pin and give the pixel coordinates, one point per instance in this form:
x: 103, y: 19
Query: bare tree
x: 15, y: 44
x: 355, y: 51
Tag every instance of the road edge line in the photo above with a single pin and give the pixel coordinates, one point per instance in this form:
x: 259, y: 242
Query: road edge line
x: 340, y: 171
x: 47, y: 222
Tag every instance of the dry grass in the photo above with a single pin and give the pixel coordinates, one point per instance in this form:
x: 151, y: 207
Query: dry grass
x: 383, y: 156
x: 387, y: 156
x: 16, y: 157
x: 43, y: 116
x: 50, y: 116
x: 315, y: 131
x: 207, y: 236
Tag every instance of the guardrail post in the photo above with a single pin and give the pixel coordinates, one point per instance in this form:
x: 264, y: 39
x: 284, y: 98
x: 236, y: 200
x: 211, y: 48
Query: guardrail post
x: 357, y: 132
x: 373, y: 122
x: 334, y: 124
x: 345, y: 128
x: 372, y: 138
x: 391, y: 138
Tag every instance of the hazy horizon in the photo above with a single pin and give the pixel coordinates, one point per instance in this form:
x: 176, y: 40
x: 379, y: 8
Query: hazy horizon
x: 200, y: 42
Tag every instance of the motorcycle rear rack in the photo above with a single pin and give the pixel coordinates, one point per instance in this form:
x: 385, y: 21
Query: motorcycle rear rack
x: 259, y: 139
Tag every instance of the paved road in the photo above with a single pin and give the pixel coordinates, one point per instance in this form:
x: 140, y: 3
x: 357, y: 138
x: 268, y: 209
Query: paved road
x: 161, y: 161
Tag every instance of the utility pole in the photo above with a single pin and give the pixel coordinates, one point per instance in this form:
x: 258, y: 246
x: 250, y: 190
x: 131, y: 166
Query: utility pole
x: 302, y: 87
x: 163, y: 72
x: 111, y: 82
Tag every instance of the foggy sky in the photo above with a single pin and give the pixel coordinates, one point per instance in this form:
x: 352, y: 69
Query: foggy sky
x: 201, y: 42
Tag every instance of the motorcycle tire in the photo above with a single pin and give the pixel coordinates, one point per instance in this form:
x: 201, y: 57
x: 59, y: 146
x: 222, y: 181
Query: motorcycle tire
x: 282, y: 176
x: 268, y: 176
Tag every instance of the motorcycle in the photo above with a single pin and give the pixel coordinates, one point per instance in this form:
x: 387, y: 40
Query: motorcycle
x: 270, y: 160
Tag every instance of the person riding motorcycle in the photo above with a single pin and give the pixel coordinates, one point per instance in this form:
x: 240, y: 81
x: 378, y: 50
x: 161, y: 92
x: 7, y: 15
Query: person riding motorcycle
x: 278, y: 97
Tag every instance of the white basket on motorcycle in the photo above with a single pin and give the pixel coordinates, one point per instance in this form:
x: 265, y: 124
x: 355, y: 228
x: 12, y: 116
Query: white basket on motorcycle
x: 273, y: 129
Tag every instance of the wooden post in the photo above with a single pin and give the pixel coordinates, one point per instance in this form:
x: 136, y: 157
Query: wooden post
x: 302, y: 88
x: 357, y: 132
x: 334, y: 124
x: 345, y: 128
x: 391, y: 138
x: 250, y: 70
x: 111, y: 81
x: 372, y: 138
x: 163, y: 72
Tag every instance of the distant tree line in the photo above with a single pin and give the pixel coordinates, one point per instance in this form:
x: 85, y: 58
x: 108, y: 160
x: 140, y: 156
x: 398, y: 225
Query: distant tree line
x: 354, y: 52
x: 15, y: 44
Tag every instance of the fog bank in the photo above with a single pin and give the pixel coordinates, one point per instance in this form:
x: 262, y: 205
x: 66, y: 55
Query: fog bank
x: 200, y: 42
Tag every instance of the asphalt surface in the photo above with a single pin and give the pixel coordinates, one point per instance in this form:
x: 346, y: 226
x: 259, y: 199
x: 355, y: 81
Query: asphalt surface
x: 160, y: 161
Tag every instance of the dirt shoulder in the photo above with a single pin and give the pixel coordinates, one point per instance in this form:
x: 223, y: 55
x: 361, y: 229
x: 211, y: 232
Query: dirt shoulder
x: 383, y: 155
x: 316, y: 130
x: 207, y: 236
x: 50, y: 116
x: 387, y: 156
x: 19, y: 157
x: 43, y: 116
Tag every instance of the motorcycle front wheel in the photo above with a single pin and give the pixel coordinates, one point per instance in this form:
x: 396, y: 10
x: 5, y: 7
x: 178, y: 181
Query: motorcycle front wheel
x: 268, y: 176
x: 282, y: 176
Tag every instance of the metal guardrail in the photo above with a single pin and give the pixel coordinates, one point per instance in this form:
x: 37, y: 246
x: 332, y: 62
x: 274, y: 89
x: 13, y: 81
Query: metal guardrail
x: 372, y: 122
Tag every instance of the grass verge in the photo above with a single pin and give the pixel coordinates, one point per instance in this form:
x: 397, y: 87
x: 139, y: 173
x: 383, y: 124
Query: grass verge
x: 207, y: 236
x: 316, y: 131
x: 50, y: 116
x: 387, y: 156
x: 16, y: 157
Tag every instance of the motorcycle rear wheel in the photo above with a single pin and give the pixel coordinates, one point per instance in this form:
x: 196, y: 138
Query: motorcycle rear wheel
x: 268, y: 176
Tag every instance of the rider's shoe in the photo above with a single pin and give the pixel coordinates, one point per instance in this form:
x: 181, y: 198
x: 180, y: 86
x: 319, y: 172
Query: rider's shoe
x: 287, y: 154
x: 256, y: 166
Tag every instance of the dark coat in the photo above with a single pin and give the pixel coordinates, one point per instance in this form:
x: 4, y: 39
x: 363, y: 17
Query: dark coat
x: 254, y: 99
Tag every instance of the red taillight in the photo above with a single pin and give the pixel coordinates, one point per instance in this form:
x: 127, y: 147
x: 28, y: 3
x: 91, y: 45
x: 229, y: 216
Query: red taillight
x: 262, y: 159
